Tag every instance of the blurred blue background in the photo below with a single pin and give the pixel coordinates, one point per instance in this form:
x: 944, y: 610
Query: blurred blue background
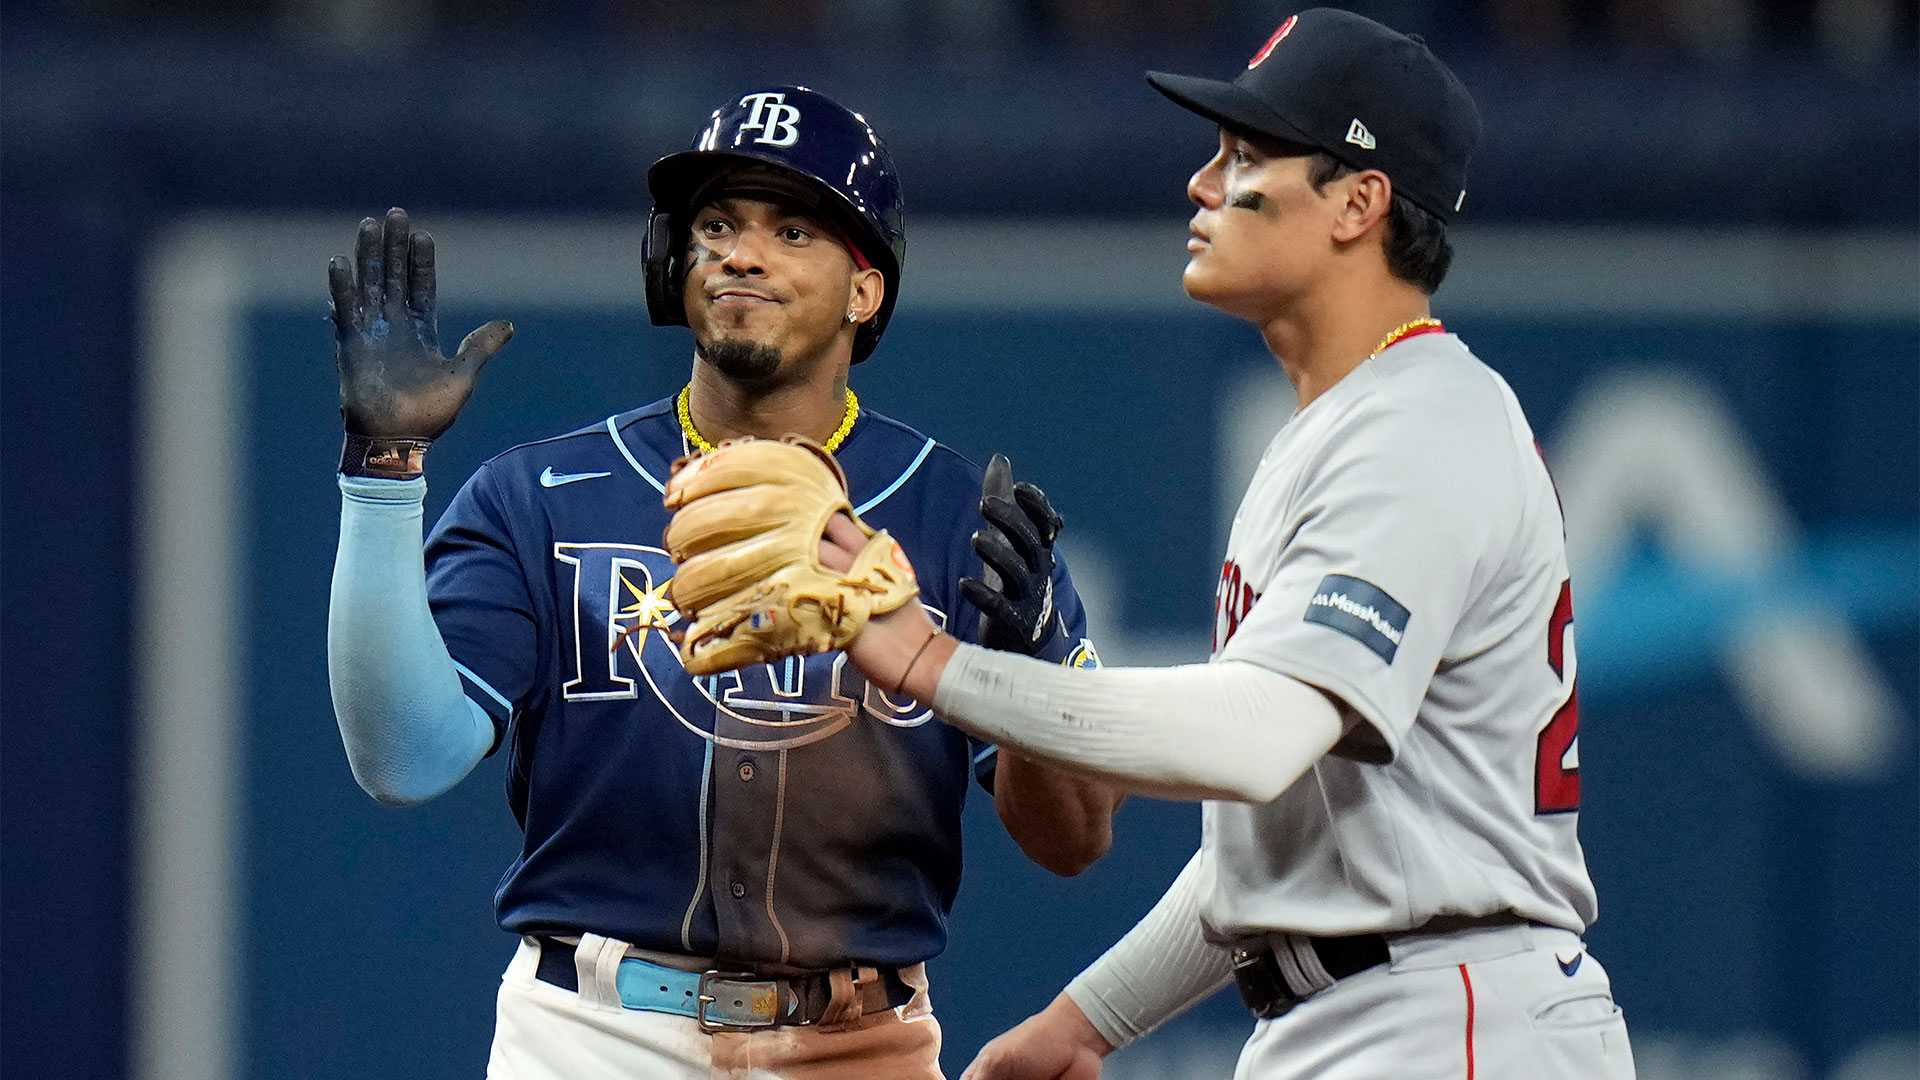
x: 1690, y: 245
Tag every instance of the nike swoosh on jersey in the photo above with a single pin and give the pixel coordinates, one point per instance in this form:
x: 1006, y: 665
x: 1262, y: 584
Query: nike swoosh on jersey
x: 1568, y: 967
x: 551, y: 479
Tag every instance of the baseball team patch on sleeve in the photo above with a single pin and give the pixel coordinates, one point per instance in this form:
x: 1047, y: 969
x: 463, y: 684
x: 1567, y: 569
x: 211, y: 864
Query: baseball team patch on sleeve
x: 1084, y: 656
x: 1361, y: 610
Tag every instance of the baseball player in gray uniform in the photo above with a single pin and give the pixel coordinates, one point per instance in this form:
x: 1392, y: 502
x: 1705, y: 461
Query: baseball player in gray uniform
x: 1385, y: 737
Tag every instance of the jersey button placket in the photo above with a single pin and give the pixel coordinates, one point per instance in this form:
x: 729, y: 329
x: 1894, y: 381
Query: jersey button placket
x: 738, y: 889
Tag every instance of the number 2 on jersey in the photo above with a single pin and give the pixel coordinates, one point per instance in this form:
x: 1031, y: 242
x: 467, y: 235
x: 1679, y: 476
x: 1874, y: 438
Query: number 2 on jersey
x: 1556, y: 785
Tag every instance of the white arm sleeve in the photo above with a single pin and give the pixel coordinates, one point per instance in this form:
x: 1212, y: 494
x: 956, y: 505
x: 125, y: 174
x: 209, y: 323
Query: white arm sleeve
x: 1199, y: 731
x: 1159, y: 969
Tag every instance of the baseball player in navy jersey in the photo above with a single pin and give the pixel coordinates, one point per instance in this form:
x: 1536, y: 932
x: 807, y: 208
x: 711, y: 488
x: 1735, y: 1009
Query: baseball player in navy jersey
x: 730, y: 876
x: 1385, y: 737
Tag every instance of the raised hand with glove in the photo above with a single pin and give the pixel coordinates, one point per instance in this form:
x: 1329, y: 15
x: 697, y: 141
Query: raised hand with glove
x: 409, y: 731
x: 397, y: 391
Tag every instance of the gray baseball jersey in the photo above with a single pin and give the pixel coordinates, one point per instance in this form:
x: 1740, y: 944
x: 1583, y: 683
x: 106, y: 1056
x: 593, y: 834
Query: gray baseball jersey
x: 1401, y: 547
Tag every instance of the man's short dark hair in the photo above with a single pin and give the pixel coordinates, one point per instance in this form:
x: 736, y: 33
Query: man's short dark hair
x: 1416, y: 241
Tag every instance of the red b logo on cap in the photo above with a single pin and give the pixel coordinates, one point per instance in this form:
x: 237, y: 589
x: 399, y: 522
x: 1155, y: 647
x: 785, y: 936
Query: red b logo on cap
x: 1285, y: 29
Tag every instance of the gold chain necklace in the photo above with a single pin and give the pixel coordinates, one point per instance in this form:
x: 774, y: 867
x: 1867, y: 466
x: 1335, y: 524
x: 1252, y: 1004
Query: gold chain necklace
x: 699, y: 442
x: 1406, y: 329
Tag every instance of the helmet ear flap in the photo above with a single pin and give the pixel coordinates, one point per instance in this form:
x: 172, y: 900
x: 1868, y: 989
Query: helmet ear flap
x: 665, y: 259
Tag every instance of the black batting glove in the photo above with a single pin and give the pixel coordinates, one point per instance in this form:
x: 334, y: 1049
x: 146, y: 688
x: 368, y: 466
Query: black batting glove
x: 397, y: 392
x: 1015, y: 589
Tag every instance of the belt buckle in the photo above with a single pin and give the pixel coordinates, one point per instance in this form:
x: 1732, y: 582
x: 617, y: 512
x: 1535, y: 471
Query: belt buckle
x: 754, y: 1004
x: 1263, y: 988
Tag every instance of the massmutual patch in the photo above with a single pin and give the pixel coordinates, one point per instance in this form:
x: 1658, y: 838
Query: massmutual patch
x: 1361, y: 610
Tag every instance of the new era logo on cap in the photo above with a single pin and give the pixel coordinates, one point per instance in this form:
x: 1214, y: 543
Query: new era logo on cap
x: 1358, y: 135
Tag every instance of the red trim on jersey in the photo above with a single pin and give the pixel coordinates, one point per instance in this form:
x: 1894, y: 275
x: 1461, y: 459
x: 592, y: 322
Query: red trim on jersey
x: 1468, y: 984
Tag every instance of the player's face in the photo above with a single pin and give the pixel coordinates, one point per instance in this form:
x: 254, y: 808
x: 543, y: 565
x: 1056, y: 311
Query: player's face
x: 769, y: 288
x: 1260, y: 232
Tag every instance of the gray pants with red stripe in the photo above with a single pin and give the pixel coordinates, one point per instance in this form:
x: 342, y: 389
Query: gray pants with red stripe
x: 1509, y: 1003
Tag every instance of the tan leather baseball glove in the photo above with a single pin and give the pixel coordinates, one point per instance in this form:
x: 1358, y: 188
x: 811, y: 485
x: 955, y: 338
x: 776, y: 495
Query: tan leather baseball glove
x: 746, y: 531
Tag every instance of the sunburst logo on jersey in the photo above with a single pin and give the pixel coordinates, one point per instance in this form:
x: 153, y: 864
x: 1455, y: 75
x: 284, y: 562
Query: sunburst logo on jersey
x: 646, y: 609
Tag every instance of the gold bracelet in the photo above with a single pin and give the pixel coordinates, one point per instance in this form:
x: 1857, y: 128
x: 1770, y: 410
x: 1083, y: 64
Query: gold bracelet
x: 917, y: 653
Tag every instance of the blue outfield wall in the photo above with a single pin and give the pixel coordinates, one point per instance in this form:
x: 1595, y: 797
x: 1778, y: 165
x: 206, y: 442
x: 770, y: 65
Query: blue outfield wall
x: 1757, y: 891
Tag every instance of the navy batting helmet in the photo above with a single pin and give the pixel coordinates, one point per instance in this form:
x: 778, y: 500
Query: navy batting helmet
x: 830, y: 148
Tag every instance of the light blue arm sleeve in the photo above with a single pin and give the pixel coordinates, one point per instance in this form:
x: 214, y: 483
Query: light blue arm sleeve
x: 409, y: 730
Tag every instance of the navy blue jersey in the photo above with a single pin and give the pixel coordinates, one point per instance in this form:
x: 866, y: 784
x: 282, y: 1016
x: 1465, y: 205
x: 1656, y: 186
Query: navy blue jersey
x: 786, y: 814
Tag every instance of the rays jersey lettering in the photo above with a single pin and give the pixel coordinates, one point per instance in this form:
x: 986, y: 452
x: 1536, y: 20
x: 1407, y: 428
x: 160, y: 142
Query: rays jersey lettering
x: 751, y: 815
x: 621, y: 616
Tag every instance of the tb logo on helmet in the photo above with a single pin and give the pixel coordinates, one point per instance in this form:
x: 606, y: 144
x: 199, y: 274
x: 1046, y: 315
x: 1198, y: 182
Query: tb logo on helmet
x: 777, y: 121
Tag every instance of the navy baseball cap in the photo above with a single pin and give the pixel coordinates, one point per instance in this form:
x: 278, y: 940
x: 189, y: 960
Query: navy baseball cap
x: 1367, y: 94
